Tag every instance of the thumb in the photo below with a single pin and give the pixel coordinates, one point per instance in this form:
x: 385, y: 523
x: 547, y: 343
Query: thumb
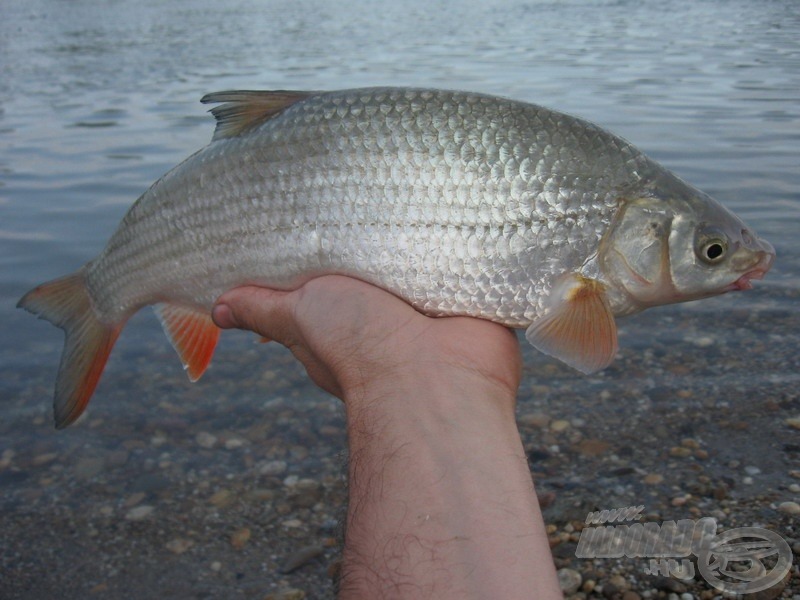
x: 261, y: 310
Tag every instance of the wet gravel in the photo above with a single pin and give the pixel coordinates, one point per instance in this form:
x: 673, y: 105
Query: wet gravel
x: 235, y: 487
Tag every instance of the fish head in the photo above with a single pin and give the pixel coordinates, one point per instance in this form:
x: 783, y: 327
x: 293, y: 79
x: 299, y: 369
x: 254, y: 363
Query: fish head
x: 673, y: 243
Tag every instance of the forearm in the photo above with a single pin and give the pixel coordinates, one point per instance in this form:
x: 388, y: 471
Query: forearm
x: 441, y: 499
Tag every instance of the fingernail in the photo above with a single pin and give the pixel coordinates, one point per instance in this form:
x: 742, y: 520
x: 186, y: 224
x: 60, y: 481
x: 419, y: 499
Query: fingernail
x: 222, y: 315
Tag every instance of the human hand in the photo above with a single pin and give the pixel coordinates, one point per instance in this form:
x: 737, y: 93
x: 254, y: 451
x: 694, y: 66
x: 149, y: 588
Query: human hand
x: 440, y: 492
x: 348, y: 333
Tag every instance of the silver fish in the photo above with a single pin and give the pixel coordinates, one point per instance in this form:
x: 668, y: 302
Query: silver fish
x: 460, y: 203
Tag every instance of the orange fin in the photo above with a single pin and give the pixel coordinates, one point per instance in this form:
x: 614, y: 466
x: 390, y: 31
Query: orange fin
x: 579, y: 328
x: 88, y: 341
x: 193, y: 335
x: 244, y: 110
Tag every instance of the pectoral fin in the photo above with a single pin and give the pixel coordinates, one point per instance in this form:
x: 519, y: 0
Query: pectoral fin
x: 193, y: 335
x: 579, y: 327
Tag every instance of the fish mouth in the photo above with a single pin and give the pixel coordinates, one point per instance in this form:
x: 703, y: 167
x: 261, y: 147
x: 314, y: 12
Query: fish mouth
x: 745, y: 281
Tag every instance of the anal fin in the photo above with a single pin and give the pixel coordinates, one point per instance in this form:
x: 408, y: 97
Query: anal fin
x: 193, y: 335
x: 579, y: 328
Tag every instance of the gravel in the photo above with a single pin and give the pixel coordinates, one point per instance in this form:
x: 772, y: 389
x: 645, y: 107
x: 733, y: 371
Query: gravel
x: 235, y: 487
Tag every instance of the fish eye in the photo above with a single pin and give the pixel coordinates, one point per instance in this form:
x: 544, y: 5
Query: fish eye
x: 713, y: 250
x: 711, y: 246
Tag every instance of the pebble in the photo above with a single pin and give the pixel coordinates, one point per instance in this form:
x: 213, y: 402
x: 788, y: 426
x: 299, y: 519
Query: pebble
x: 292, y: 523
x: 619, y: 582
x: 233, y: 443
x: 680, y: 451
x: 8, y: 454
x: 262, y: 495
x: 703, y: 342
x: 272, y: 468
x: 330, y: 431
x: 206, y: 440
x: 793, y: 422
x: 150, y: 483
x: 789, y: 508
x: 216, y: 566
x: 539, y: 420
x: 717, y: 514
x: 668, y: 584
x: 286, y: 594
x: 569, y: 580
x: 240, y: 537
x: 86, y: 468
x: 559, y: 425
x: 629, y: 595
x: 721, y: 492
x: 301, y: 557
x: 140, y: 512
x: 795, y: 488
x: 118, y: 458
x: 653, y: 478
x: 593, y: 447
x: 179, y: 545
x: 305, y: 493
x: 222, y: 498
x: 750, y: 470
x: 134, y: 499
x: 43, y: 459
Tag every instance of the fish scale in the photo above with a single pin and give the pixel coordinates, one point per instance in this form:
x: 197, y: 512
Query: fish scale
x: 288, y: 153
x: 459, y: 203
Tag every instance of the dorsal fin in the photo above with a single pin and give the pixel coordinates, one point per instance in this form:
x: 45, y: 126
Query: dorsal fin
x: 243, y: 110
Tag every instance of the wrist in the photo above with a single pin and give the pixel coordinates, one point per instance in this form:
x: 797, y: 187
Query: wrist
x: 453, y: 383
x: 439, y: 485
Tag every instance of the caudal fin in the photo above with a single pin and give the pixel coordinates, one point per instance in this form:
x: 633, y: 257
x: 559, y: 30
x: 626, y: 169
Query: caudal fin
x: 88, y: 341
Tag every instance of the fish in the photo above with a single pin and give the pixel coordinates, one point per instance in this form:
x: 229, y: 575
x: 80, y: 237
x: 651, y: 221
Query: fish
x: 459, y: 203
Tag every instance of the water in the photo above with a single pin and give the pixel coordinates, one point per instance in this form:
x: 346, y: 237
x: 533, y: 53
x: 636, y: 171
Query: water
x: 98, y: 99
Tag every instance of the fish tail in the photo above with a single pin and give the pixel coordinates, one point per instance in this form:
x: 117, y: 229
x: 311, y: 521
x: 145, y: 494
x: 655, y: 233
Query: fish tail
x: 88, y: 341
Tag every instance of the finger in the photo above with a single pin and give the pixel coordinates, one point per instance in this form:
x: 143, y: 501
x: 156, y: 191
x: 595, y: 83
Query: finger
x: 263, y: 311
